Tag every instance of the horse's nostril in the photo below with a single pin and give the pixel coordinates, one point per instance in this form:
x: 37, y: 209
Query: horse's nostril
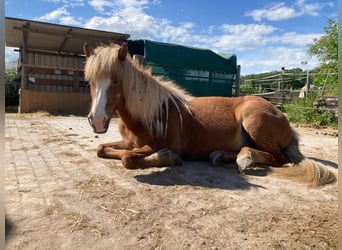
x: 105, y: 118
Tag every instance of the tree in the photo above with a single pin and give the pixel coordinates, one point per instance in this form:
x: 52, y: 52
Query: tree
x: 11, y: 88
x: 325, y: 49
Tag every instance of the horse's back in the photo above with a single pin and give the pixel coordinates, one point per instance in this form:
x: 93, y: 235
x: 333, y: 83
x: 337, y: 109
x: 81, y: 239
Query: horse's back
x: 234, y: 107
x: 214, y: 110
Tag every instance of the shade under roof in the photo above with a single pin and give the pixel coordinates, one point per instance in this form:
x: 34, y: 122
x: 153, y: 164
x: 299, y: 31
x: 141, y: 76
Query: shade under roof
x: 54, y: 37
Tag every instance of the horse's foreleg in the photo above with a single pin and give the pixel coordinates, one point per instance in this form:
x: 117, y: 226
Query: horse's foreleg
x: 247, y: 157
x: 147, y: 156
x: 112, y: 150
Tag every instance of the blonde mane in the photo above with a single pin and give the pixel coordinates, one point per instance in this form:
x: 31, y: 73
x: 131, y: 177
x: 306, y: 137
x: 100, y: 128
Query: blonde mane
x: 147, y: 97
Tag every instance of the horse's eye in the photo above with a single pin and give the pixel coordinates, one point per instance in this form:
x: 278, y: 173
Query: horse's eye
x: 115, y: 82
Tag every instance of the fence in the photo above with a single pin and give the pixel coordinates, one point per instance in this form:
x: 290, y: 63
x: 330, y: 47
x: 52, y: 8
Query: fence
x: 285, y: 88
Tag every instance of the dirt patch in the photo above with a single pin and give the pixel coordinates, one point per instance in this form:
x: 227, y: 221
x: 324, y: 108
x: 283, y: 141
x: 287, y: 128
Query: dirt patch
x: 59, y: 195
x: 75, y: 220
x: 322, y: 130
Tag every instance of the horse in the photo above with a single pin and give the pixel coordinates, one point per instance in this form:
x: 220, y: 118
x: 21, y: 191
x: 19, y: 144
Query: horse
x: 162, y: 125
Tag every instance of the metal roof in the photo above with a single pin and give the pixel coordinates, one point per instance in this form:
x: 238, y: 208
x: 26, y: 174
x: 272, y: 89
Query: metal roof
x: 54, y: 37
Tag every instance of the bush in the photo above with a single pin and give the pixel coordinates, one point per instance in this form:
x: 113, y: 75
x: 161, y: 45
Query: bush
x: 302, y: 111
x: 247, y: 88
x: 11, y: 88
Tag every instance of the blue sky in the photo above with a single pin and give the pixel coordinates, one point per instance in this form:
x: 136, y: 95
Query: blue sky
x: 265, y: 35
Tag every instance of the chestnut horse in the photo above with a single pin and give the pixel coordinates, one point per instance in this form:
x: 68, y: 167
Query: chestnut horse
x: 160, y: 124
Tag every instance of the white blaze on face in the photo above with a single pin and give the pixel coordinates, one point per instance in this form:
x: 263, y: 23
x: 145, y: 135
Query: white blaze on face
x: 98, y: 108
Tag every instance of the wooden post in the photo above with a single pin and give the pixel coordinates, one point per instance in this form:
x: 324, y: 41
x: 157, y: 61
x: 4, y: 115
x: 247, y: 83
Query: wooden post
x: 282, y: 87
x: 24, y: 61
x: 307, y: 89
x: 237, y: 80
x: 2, y: 129
x: 325, y: 83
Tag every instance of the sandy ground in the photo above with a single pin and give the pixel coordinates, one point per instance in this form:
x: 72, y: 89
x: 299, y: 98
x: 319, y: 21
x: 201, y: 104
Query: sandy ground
x: 59, y: 195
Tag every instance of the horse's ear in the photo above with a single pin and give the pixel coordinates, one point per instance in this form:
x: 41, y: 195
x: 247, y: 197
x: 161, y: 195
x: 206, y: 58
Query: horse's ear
x: 123, y: 52
x: 87, y: 50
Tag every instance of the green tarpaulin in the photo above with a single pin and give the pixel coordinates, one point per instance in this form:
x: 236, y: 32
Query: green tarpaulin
x: 200, y: 71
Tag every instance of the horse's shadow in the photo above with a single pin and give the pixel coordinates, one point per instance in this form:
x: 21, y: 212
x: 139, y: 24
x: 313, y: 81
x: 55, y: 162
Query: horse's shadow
x: 201, y: 174
x: 205, y: 175
x: 324, y: 162
x: 8, y: 228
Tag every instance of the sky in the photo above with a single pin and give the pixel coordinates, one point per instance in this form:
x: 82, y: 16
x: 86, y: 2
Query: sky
x: 265, y: 35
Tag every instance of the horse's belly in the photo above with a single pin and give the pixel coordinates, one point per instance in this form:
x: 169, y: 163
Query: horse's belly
x: 212, y: 126
x: 201, y: 141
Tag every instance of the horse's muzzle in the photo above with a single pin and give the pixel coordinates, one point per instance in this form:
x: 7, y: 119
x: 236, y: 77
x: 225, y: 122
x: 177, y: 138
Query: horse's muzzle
x: 100, y: 125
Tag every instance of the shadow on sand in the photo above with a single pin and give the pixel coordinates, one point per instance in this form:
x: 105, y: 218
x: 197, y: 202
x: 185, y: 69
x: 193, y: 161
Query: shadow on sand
x: 8, y: 228
x: 324, y: 162
x: 201, y: 174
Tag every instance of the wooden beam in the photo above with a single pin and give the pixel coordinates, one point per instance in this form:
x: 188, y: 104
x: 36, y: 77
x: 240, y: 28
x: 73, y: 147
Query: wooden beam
x: 61, y: 82
x: 51, y: 71
x: 34, y: 66
x: 44, y: 52
x: 62, y: 34
x: 66, y: 38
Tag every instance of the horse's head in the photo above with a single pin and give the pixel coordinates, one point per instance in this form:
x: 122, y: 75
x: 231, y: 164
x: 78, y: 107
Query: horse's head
x: 102, y: 70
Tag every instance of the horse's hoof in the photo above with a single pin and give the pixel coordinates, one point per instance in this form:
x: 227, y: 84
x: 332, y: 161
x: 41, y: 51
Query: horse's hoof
x: 175, y: 159
x: 100, y: 151
x: 244, y: 163
x: 216, y: 158
x: 169, y: 157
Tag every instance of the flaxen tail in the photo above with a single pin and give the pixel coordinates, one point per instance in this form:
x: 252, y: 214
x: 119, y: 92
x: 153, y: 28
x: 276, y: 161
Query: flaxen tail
x: 305, y: 170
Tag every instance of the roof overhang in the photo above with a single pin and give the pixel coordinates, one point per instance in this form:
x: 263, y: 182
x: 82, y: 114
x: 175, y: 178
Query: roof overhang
x: 54, y: 37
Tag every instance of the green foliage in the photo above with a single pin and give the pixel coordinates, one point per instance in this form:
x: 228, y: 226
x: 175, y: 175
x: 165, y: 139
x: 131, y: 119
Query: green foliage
x: 302, y: 111
x: 247, y: 88
x: 326, y: 50
x: 11, y: 88
x: 327, y: 79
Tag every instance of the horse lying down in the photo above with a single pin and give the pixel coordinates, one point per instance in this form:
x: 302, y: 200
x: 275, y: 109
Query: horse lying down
x: 161, y: 124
